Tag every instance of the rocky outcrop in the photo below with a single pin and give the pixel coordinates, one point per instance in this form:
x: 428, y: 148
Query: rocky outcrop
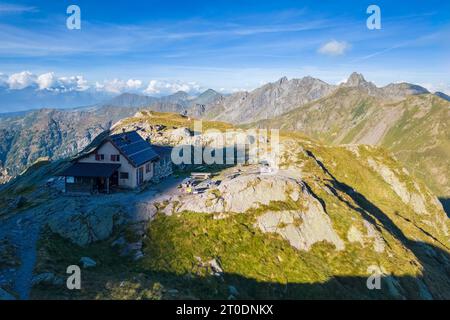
x: 301, y: 229
x: 244, y: 192
x: 414, y: 199
x: 83, y: 228
x: 87, y: 262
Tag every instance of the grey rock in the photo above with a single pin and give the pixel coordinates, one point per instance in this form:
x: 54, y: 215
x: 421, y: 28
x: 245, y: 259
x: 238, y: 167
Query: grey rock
x: 315, y: 226
x: 47, y: 278
x: 243, y: 193
x: 85, y: 228
x: 87, y: 262
x: 215, y: 266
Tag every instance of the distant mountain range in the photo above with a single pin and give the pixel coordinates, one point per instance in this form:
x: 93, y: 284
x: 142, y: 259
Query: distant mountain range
x: 404, y: 118
x: 31, y: 98
x: 177, y: 102
x: 274, y: 99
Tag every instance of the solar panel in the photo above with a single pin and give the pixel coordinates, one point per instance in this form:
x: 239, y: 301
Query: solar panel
x: 143, y: 157
x: 136, y: 149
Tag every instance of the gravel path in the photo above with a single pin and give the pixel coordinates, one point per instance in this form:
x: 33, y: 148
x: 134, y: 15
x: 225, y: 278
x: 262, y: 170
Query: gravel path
x: 23, y: 231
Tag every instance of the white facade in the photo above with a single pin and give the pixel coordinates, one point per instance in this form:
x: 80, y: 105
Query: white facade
x: 108, y: 149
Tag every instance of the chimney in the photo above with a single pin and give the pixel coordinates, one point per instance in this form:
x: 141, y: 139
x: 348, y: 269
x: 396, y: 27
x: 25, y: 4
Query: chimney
x: 148, y: 139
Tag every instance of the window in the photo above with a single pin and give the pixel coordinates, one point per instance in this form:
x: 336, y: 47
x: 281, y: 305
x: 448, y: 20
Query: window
x: 148, y: 168
x: 115, y: 157
x: 70, y: 180
x: 124, y: 175
x: 99, y: 157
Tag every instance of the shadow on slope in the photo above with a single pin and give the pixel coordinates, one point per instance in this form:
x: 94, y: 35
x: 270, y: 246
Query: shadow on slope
x: 116, y: 278
x: 435, y: 261
x: 446, y: 204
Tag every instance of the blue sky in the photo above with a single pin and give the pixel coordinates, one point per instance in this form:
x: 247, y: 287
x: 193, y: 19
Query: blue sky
x: 158, y: 46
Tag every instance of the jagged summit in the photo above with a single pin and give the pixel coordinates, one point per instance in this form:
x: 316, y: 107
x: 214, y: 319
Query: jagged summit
x: 355, y: 80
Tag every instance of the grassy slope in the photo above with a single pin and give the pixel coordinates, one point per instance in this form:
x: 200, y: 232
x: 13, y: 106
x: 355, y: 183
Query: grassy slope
x: 421, y: 140
x: 172, y: 120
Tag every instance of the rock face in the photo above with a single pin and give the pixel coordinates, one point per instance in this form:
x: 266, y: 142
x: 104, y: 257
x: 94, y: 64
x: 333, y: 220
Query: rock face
x: 274, y: 99
x: 243, y: 193
x: 392, y: 92
x: 415, y: 199
x: 301, y: 229
x: 84, y: 228
x: 269, y: 100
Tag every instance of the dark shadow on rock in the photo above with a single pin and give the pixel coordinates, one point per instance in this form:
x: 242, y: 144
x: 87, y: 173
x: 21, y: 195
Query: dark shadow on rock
x: 446, y: 204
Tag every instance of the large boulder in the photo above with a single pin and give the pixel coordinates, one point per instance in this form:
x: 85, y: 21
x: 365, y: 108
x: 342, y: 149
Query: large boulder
x: 47, y: 278
x: 83, y: 228
x: 87, y: 262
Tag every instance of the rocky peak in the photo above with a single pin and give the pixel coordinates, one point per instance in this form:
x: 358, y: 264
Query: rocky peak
x: 283, y: 80
x: 356, y: 80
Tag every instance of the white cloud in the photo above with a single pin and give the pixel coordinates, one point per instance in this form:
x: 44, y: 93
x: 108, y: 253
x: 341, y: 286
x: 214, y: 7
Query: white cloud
x: 21, y: 80
x: 46, y: 80
x: 8, y: 8
x: 334, y: 48
x: 160, y: 87
x: 72, y: 83
x: 134, y: 84
x: 50, y: 81
x: 119, y: 86
x: 441, y: 87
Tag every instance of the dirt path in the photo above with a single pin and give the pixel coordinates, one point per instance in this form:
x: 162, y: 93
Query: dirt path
x: 23, y: 232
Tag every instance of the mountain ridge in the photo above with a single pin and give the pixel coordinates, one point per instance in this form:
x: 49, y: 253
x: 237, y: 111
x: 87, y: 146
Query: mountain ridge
x: 283, y: 95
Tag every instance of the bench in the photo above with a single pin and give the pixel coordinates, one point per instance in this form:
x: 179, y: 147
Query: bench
x: 201, y: 175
